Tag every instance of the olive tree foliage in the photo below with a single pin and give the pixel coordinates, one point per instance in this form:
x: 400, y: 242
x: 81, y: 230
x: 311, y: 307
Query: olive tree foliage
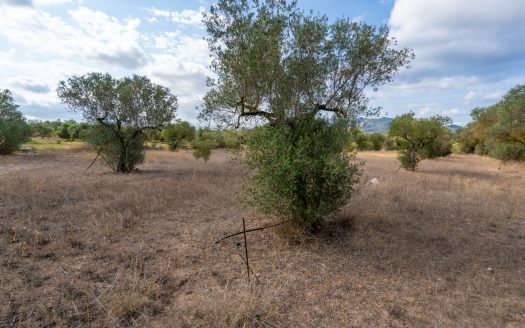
x: 14, y: 130
x: 305, y: 78
x: 274, y: 62
x: 420, y: 138
x: 298, y: 176
x: 122, y: 110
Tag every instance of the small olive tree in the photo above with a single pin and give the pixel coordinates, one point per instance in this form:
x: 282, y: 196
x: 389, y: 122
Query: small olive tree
x: 420, y: 138
x: 14, y: 130
x: 175, y: 134
x: 306, y: 79
x: 122, y: 110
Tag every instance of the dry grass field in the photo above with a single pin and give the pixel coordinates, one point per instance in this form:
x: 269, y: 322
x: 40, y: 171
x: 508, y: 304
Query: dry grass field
x: 441, y: 247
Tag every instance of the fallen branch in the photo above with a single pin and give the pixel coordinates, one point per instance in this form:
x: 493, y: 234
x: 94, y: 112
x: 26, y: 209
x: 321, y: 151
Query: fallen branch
x: 90, y: 165
x: 251, y: 230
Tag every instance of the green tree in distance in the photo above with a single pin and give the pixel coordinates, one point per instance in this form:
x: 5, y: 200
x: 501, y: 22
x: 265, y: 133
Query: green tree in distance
x: 174, y: 134
x: 420, y: 138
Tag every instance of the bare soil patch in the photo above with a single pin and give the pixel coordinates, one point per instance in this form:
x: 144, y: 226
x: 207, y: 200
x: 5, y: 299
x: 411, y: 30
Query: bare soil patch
x: 443, y: 246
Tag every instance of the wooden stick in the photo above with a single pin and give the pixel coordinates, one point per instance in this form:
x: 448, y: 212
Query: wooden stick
x: 251, y: 230
x: 90, y: 165
x: 246, y: 250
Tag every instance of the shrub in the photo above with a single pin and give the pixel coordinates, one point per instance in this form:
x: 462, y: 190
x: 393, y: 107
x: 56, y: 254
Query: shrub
x: 175, y: 134
x: 202, y: 149
x: 508, y: 151
x: 105, y: 142
x: 390, y: 143
x: 377, y: 140
x: 14, y: 130
x: 302, y: 172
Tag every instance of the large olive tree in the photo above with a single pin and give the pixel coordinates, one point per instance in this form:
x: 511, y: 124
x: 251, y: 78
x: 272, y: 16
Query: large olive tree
x: 122, y: 110
x: 306, y: 78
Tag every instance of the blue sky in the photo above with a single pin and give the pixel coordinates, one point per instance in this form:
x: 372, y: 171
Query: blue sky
x: 468, y: 53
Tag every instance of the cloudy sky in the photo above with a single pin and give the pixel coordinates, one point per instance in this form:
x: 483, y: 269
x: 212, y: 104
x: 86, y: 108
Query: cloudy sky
x: 468, y: 53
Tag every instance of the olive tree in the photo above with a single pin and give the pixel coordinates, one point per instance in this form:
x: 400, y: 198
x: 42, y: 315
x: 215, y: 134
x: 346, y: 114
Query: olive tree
x: 175, y: 134
x: 304, y: 78
x: 420, y: 138
x: 122, y: 110
x: 14, y: 130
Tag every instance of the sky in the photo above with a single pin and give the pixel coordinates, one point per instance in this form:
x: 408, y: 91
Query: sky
x: 469, y: 53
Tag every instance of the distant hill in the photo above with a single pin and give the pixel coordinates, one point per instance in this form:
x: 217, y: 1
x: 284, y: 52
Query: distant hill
x: 382, y: 125
x: 454, y: 127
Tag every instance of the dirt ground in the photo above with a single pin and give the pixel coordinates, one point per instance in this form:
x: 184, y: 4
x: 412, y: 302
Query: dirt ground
x: 440, y: 247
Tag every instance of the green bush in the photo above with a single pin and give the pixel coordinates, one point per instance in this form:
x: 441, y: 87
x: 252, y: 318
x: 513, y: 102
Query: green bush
x: 358, y: 140
x: 13, y: 133
x: 107, y: 144
x: 175, y: 134
x: 509, y: 151
x: 202, y: 149
x: 377, y: 140
x: 14, y: 130
x: 408, y: 162
x: 441, y: 147
x: 302, y: 173
x: 390, y: 143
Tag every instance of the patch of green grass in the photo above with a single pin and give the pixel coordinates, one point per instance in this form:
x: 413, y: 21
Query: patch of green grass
x: 157, y: 145
x: 52, y: 144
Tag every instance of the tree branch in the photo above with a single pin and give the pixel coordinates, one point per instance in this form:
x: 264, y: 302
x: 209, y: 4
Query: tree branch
x: 252, y: 111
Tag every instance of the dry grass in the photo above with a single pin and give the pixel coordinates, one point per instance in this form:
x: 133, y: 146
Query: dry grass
x: 444, y: 246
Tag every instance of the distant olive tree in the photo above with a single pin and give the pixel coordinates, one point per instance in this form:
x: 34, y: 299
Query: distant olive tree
x: 420, y: 138
x: 14, y: 130
x: 122, y: 110
x: 377, y: 140
x: 175, y: 134
x: 304, y: 79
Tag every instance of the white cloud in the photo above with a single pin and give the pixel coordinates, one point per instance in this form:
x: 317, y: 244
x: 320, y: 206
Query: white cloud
x: 187, y: 16
x: 31, y: 85
x: 184, y: 72
x: 46, y: 48
x: 16, y: 3
x: 45, y: 3
x: 151, y: 20
x: 166, y: 40
x: 95, y: 35
x: 450, y: 112
x: 451, y: 34
x: 493, y: 96
x: 471, y: 95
